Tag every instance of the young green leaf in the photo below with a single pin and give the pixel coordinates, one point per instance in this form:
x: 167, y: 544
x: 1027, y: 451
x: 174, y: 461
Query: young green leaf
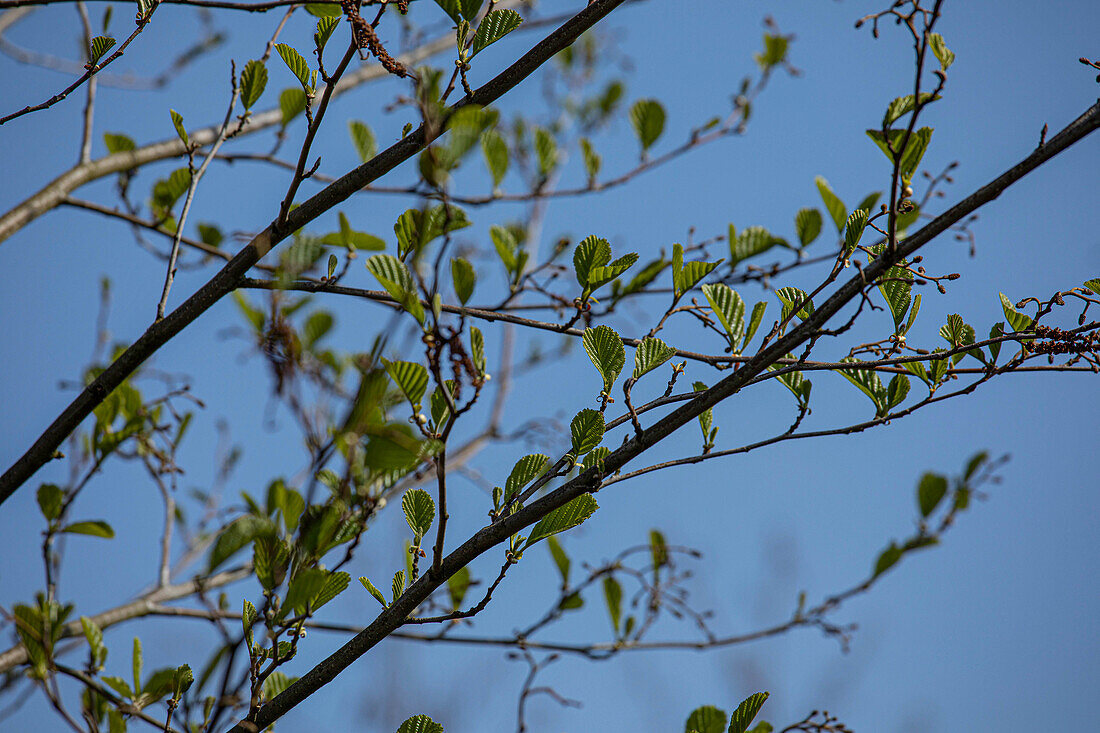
x: 887, y: 559
x: 493, y: 27
x: 897, y: 289
x: 853, y: 232
x: 526, y: 470
x: 363, y: 140
x: 116, y: 142
x: 904, y: 105
x: 807, y: 223
x: 586, y: 430
x: 495, y: 151
x: 754, y: 322
x: 563, y: 518
x: 706, y: 719
x: 648, y: 118
x: 464, y: 277
x: 728, y: 308
x: 591, y: 253
x: 605, y: 349
x: 325, y: 28
x: 613, y: 595
x: 836, y: 208
x: 421, y: 723
x: 1019, y: 321
x: 685, y: 276
x: 930, y: 492
x: 253, y: 83
x: 100, y: 46
x: 419, y: 511
x: 546, y: 149
x: 292, y: 102
x: 50, y: 497
x: 560, y: 559
x: 651, y: 353
x: 295, y: 63
x: 943, y: 54
x: 457, y: 585
x: 411, y: 377
x: 397, y: 587
x: 897, y: 390
x: 177, y: 122
x: 791, y: 298
x: 592, y: 160
x: 374, y: 591
x: 743, y: 716
x: 334, y: 584
x: 395, y: 277
x: 95, y: 528
x: 477, y: 349
x: 869, y: 383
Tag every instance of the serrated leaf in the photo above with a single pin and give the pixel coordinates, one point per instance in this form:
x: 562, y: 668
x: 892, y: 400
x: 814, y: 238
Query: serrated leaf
x: 322, y: 10
x: 116, y: 142
x: 754, y: 322
x: 729, y: 309
x: 253, y: 82
x: 613, y: 596
x: 419, y: 511
x: 796, y: 382
x: 930, y: 492
x: 411, y: 378
x: 586, y: 430
x: 563, y: 518
x: 93, y: 528
x: 335, y: 584
x: 706, y: 417
x: 1019, y: 321
x: 302, y: 591
x: 743, y: 716
x: 591, y: 253
x: 651, y: 353
x: 493, y: 27
x: 868, y: 382
x: 898, y: 294
x: 791, y: 297
x: 943, y: 54
x: 706, y: 719
x: 236, y: 535
x: 420, y: 723
x: 685, y: 276
x: 526, y: 470
x: 477, y: 349
x: 605, y: 349
x: 397, y: 587
x: 915, y: 148
x: 276, y: 683
x: 750, y: 242
x: 546, y: 150
x: 561, y: 560
x: 464, y: 277
x: 853, y: 229
x: 325, y: 28
x: 99, y: 47
x: 904, y: 105
x: 395, y: 277
x: 292, y: 102
x: 50, y: 497
x: 1093, y: 285
x: 807, y: 224
x: 647, y: 116
x: 495, y: 151
x: 121, y: 686
x: 416, y: 228
x: 836, y: 208
x: 363, y: 139
x: 374, y: 591
x: 177, y: 122
x: 295, y: 63
x: 897, y: 390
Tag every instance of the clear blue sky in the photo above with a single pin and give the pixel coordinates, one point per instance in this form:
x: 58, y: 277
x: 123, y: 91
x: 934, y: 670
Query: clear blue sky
x: 995, y: 630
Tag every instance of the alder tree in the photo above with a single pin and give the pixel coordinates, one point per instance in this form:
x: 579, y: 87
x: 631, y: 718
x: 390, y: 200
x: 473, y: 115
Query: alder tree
x: 637, y: 341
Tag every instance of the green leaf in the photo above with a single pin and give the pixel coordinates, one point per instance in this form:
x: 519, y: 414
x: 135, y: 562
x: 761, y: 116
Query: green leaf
x: 754, y: 322
x: 477, y: 349
x: 100, y: 46
x: 177, y: 122
x: 526, y: 470
x: 121, y: 686
x: 363, y: 140
x: 96, y: 528
x: 321, y: 10
x: 395, y: 277
x: 592, y: 160
x: 325, y: 27
x: 605, y: 349
x: 303, y: 589
x: 276, y: 683
x: 457, y: 585
x: 914, y: 149
x: 648, y: 118
x: 295, y: 63
x: 397, y: 587
x: 613, y: 595
x: 743, y: 716
x: 411, y: 377
x: 416, y: 228
x: 116, y: 142
x: 650, y: 354
x: 807, y: 223
x: 94, y: 635
x: 419, y: 511
x: 561, y: 560
x: 586, y: 430
x: 686, y: 276
x: 751, y: 242
x: 316, y: 326
x: 790, y: 298
x: 897, y: 390
x: 940, y: 49
x: 796, y: 382
x: 374, y: 591
x: 591, y: 253
x: 292, y: 102
x: 775, y: 51
x: 420, y: 723
x: 493, y: 27
x: 904, y: 105
x: 658, y: 549
x: 729, y: 309
x: 706, y: 719
x: 335, y: 584
x: 495, y: 151
x: 1093, y: 285
x: 1019, y: 321
x: 253, y: 83
x: 546, y: 149
x: 836, y: 208
x: 930, y: 492
x: 50, y: 497
x: 236, y: 535
x: 897, y: 288
x: 136, y: 660
x: 853, y: 232
x: 887, y: 559
x: 563, y: 518
x: 248, y: 617
x: 706, y: 418
x: 464, y: 277
x: 868, y: 382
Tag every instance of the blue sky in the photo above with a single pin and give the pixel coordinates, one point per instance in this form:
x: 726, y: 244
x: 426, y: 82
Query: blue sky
x: 993, y: 630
